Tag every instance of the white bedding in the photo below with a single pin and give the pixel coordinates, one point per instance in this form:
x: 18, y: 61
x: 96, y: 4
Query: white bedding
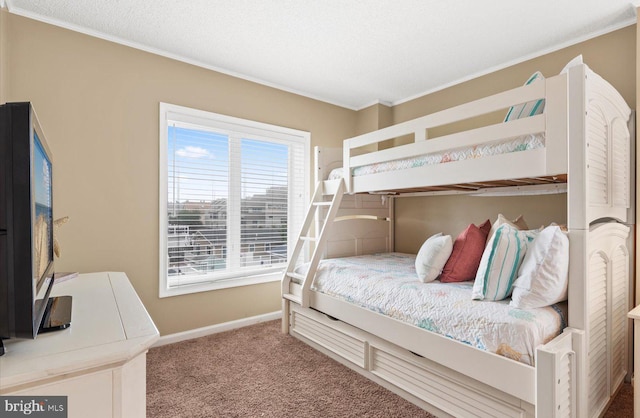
x: 522, y: 143
x: 388, y: 284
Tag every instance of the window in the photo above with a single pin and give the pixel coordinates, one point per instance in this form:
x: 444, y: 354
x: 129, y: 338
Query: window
x: 233, y: 193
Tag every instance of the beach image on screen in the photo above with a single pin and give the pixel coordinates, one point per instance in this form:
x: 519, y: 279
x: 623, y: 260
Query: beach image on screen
x: 43, y: 226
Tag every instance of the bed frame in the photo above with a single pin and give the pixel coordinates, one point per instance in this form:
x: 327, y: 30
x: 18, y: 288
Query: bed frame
x: 588, y: 148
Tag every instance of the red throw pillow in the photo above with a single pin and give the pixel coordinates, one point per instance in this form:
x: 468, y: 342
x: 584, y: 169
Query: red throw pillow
x: 468, y: 247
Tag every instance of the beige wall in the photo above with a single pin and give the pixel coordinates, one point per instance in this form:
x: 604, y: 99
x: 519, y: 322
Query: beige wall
x: 3, y: 60
x: 98, y: 104
x: 613, y: 56
x: 637, y: 96
x: 417, y: 218
x: 374, y: 117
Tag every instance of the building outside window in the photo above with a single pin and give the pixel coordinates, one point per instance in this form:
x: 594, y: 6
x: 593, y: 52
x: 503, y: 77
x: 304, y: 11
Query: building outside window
x: 233, y: 195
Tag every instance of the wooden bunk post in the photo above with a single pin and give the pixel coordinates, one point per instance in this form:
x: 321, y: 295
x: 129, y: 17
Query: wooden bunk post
x: 599, y: 172
x: 556, y: 362
x: 577, y: 223
x: 285, y: 315
x: 346, y: 167
x: 555, y: 127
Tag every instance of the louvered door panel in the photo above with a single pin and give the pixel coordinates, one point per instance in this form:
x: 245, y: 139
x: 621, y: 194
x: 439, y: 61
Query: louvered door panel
x: 597, y: 157
x: 620, y: 164
x: 598, y: 359
x: 619, y: 308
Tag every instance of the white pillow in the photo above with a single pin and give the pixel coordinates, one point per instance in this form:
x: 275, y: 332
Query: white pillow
x: 432, y: 257
x: 500, y: 263
x: 544, y: 274
x: 534, y: 107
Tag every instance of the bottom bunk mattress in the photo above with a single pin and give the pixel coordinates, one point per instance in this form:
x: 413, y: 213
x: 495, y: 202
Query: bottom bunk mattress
x: 388, y: 284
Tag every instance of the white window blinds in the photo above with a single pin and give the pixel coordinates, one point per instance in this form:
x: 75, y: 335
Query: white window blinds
x: 234, y: 193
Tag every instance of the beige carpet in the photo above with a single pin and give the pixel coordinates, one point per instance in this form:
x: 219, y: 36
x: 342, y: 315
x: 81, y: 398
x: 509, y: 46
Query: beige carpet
x: 259, y: 372
x: 622, y: 405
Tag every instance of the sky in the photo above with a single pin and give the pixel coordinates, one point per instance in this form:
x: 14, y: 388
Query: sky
x: 42, y: 173
x: 199, y: 161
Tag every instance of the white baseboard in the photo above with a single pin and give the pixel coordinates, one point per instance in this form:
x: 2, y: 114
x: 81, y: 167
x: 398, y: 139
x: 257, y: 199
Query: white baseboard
x: 214, y: 329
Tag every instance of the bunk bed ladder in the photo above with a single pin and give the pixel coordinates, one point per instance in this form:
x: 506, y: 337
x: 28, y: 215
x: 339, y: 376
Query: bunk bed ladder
x: 319, y: 239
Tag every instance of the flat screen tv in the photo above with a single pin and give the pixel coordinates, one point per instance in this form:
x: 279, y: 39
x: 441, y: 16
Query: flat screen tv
x: 26, y: 228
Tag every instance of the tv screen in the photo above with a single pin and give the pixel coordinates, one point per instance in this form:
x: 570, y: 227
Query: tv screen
x: 43, y: 213
x: 26, y: 224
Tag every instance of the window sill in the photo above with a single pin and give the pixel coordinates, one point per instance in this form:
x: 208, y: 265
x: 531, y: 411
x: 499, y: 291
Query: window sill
x: 218, y: 284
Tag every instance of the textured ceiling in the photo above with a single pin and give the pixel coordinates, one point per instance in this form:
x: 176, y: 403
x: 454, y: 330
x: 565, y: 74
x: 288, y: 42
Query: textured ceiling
x: 348, y: 52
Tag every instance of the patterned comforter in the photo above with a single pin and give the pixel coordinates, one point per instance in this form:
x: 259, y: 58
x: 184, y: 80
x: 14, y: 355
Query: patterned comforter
x: 522, y: 143
x: 388, y: 284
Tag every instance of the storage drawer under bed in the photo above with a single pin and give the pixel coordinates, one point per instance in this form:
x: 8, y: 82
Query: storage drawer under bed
x: 338, y: 337
x: 447, y: 390
x: 427, y: 381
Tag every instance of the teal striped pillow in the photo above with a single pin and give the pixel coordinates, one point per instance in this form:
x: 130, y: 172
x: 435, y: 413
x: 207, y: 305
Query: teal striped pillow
x: 534, y: 107
x: 500, y: 263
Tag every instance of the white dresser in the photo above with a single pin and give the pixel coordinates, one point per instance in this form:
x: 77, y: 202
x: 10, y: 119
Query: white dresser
x: 99, y: 362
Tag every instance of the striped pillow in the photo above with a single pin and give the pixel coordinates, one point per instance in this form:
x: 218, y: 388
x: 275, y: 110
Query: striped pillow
x: 534, y: 107
x: 500, y: 263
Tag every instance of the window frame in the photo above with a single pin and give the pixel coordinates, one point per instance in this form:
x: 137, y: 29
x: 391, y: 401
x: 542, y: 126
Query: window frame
x: 224, y: 124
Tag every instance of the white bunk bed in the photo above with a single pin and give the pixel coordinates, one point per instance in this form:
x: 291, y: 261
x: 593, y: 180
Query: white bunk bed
x: 587, y: 148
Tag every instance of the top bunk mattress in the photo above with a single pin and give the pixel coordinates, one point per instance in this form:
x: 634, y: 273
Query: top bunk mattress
x: 388, y: 284
x: 521, y: 143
